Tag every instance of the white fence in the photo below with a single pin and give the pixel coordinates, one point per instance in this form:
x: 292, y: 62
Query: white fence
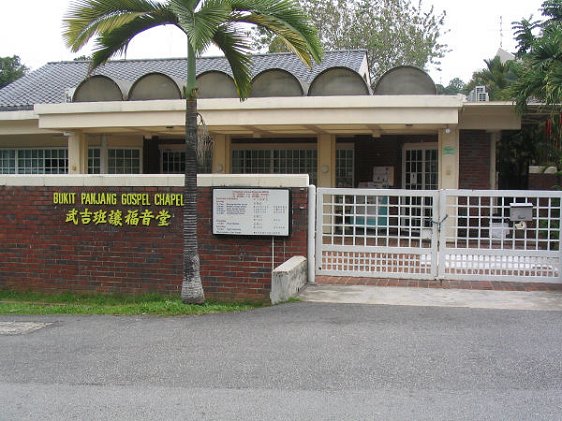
x: 446, y: 234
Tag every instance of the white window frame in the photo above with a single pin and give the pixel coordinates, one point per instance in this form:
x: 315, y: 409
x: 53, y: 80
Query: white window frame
x: 344, y: 147
x: 17, y: 158
x: 273, y: 147
x: 104, y: 157
x: 422, y: 146
x: 296, y: 146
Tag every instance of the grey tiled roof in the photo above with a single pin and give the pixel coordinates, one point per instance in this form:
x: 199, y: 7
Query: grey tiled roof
x: 49, y: 83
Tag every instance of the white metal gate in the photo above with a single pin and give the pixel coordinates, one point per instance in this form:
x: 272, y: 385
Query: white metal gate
x: 439, y: 234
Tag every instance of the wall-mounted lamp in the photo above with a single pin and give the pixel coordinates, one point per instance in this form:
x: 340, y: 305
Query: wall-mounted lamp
x: 219, y: 168
x: 447, y: 130
x: 324, y: 168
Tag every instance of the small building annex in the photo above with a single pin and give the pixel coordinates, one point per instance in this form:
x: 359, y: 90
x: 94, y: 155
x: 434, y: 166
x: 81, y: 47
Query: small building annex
x: 128, y: 117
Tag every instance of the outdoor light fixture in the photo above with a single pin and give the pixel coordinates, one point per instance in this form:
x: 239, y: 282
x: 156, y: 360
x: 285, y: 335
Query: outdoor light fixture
x: 324, y: 169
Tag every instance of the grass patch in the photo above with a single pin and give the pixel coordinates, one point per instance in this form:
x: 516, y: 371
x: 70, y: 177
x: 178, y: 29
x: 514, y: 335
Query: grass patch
x: 33, y: 303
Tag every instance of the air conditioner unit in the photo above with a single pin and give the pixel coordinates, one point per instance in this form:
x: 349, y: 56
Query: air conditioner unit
x: 69, y: 94
x: 478, y: 94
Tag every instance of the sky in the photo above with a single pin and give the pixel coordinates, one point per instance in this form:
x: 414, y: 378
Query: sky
x: 32, y: 30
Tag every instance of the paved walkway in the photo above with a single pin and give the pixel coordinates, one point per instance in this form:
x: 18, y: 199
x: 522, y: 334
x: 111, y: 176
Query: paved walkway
x: 489, y: 295
x: 413, y: 283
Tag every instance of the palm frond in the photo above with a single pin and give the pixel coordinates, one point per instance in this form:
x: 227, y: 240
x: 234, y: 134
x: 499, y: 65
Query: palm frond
x: 88, y: 18
x: 236, y: 49
x: 200, y: 25
x: 116, y: 41
x: 285, y: 19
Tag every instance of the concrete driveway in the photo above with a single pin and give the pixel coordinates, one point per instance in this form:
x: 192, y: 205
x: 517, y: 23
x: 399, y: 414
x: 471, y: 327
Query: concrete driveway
x: 434, y: 297
x: 298, y: 361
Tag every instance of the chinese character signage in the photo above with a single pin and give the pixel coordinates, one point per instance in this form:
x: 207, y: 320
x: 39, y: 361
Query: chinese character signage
x: 135, y: 209
x: 251, y: 212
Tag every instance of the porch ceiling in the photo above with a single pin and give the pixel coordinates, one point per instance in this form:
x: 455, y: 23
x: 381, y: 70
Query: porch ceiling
x: 261, y: 116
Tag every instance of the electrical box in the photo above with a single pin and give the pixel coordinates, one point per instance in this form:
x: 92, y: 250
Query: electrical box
x: 520, y: 212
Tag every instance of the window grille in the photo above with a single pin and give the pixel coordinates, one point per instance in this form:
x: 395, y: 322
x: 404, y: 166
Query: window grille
x: 94, y: 161
x: 420, y: 167
x: 345, y: 167
x: 123, y: 161
x: 33, y: 161
x: 275, y: 161
x: 7, y: 161
x: 173, y: 162
x: 120, y: 161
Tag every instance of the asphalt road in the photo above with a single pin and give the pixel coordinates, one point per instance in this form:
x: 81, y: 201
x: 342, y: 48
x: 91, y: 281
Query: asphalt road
x: 299, y: 361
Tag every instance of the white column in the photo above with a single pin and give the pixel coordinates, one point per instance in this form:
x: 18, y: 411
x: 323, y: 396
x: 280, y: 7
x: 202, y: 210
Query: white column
x: 449, y: 158
x: 77, y: 153
x: 449, y: 146
x: 326, y: 176
x: 221, y: 154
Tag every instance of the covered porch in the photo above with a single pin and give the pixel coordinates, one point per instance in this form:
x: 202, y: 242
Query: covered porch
x: 420, y: 140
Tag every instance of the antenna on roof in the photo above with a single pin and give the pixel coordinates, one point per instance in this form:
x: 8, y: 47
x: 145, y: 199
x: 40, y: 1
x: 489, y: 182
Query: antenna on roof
x: 501, y: 32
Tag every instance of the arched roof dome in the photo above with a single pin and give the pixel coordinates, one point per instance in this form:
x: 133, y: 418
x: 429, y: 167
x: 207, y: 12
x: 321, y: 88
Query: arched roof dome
x: 216, y: 84
x: 338, y: 81
x: 100, y: 88
x: 405, y: 80
x: 276, y: 82
x: 155, y: 86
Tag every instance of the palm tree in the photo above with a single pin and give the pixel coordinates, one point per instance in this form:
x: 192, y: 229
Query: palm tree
x: 114, y: 23
x: 498, y: 76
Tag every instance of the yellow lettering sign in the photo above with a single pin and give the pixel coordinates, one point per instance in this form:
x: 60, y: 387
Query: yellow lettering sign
x: 60, y: 198
x: 98, y: 198
x: 135, y: 199
x: 89, y: 215
x: 168, y: 199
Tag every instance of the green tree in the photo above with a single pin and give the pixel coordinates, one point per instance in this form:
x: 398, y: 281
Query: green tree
x: 455, y: 86
x: 497, y: 77
x: 540, y: 51
x: 114, y: 23
x: 394, y: 32
x: 11, y: 69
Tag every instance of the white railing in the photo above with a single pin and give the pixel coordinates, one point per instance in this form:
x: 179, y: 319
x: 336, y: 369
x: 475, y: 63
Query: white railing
x: 447, y: 234
x: 500, y: 235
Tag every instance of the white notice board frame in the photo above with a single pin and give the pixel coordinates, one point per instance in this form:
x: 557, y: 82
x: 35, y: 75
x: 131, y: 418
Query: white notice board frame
x: 252, y: 212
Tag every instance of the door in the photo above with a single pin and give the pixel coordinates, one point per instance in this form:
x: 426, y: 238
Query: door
x: 419, y: 172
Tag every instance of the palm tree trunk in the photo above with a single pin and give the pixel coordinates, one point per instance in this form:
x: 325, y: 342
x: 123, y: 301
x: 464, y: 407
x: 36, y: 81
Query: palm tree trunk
x: 192, y: 288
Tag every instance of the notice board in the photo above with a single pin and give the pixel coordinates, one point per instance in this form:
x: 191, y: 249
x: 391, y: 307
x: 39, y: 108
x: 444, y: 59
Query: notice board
x: 241, y: 211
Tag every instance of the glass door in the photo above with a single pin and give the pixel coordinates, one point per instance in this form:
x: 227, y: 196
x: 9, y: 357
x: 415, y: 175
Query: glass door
x: 419, y: 172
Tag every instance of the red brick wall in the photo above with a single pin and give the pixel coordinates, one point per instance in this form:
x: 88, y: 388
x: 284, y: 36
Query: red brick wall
x: 39, y: 251
x: 474, y: 160
x: 544, y: 182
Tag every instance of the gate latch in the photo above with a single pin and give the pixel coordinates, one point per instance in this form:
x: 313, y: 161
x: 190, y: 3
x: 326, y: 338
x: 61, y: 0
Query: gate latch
x: 439, y: 223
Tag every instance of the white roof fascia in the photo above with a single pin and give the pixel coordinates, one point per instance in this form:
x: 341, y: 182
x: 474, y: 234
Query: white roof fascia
x: 491, y: 116
x: 413, y: 109
x: 157, y: 180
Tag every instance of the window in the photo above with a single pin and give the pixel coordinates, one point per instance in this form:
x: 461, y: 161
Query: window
x: 7, y: 161
x: 275, y: 159
x: 291, y: 159
x: 345, y: 157
x: 173, y: 161
x: 123, y: 161
x: 33, y: 161
x: 119, y: 161
x: 419, y: 171
x: 94, y: 161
